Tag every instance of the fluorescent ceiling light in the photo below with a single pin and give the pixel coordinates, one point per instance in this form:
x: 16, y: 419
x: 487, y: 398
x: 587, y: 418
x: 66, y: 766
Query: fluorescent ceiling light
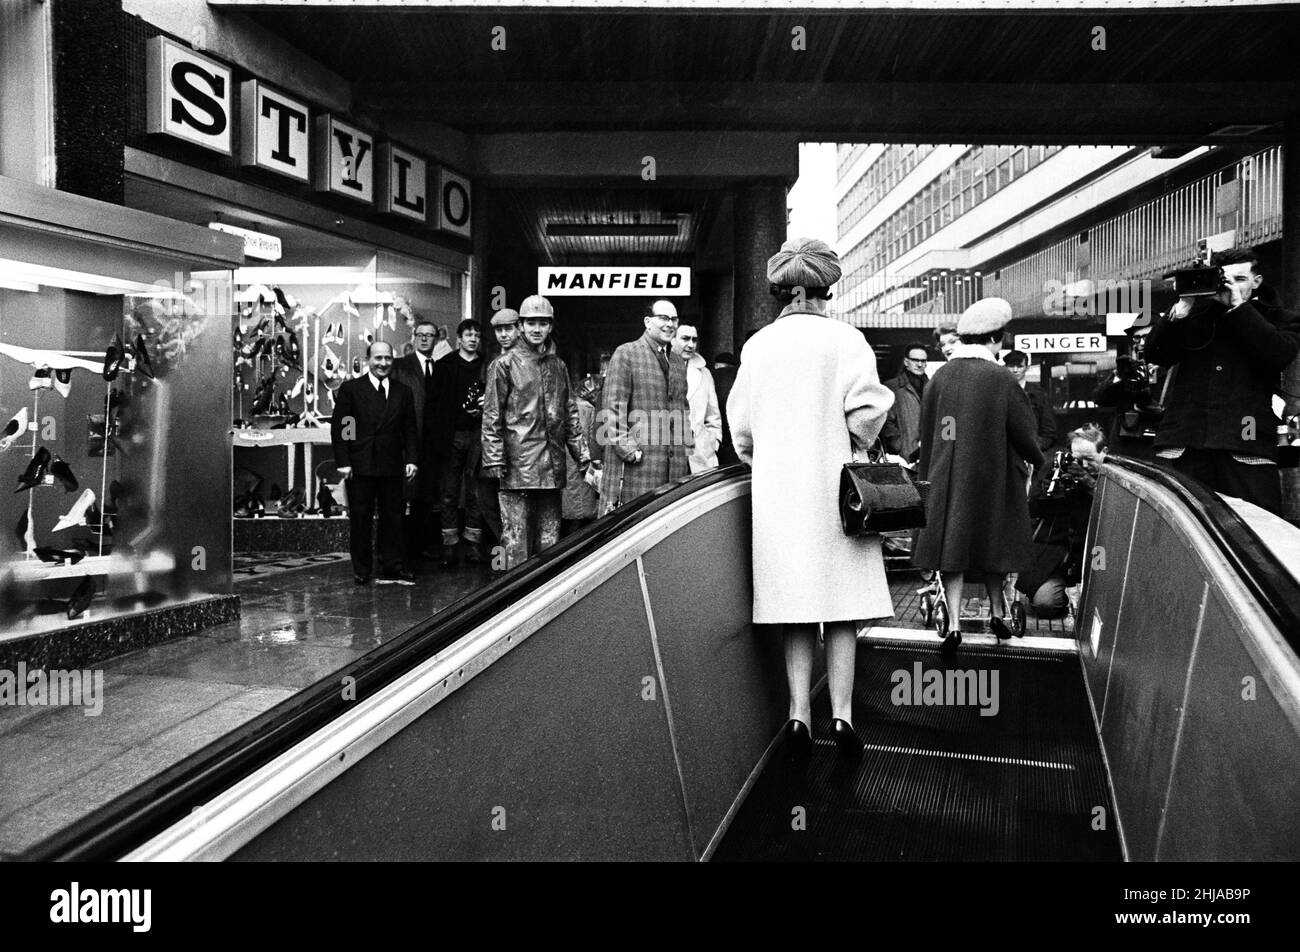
x: 22, y: 273
x: 295, y: 277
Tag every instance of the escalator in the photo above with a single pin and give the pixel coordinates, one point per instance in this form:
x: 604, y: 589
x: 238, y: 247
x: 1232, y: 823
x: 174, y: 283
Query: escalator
x: 610, y: 700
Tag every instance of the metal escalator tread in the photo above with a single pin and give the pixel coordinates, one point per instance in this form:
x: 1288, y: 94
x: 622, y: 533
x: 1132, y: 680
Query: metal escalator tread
x: 941, y: 782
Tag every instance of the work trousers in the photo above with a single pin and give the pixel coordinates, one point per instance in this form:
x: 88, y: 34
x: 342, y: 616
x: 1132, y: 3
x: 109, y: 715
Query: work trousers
x: 460, y: 473
x: 530, y: 522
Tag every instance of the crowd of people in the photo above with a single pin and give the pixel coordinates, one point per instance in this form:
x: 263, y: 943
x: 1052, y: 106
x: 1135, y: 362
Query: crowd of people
x: 516, y: 446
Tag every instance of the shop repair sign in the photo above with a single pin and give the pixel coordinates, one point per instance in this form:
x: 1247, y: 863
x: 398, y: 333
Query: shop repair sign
x: 614, y: 282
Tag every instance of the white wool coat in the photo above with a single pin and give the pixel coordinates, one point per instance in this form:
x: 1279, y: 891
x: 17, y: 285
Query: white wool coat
x: 706, y: 417
x: 799, y: 379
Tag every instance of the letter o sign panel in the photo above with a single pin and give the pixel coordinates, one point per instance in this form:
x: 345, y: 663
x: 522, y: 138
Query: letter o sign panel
x: 454, y: 206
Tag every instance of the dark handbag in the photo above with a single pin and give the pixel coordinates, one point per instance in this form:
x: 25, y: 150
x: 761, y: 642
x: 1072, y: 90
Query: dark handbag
x: 880, y: 497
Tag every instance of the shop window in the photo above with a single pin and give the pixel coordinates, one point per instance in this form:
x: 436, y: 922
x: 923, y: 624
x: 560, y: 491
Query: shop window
x: 113, y: 372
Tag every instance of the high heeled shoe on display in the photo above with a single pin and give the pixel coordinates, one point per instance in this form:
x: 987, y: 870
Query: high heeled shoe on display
x: 76, y: 516
x: 15, y: 428
x: 34, y: 474
x: 61, y: 471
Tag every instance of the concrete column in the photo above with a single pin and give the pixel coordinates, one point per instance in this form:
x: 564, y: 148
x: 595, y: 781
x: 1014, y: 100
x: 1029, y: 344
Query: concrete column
x: 1291, y: 292
x: 760, y: 223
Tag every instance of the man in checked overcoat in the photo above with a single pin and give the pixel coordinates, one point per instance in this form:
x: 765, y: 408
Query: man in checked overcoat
x: 644, y: 423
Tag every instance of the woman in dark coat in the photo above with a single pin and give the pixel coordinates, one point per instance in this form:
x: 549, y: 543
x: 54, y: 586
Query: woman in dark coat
x: 978, y: 436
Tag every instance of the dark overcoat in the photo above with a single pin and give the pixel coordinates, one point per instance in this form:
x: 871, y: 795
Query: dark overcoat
x: 1228, y: 364
x: 643, y: 407
x: 977, y: 433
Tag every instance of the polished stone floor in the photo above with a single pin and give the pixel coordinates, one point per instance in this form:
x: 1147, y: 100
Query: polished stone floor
x: 163, y: 703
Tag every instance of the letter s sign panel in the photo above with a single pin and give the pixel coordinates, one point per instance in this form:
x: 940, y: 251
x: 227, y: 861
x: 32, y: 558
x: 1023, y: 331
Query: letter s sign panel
x: 189, y: 95
x: 454, y: 204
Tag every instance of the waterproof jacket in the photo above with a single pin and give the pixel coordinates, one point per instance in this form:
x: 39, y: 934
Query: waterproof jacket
x: 1228, y: 364
x: 530, y: 422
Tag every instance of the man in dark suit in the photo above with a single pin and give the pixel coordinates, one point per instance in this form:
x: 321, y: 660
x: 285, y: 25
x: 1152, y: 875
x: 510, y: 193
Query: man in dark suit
x: 415, y: 370
x: 374, y: 436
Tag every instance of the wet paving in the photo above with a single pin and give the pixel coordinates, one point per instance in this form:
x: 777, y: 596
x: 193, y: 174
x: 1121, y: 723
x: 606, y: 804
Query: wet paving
x: 162, y: 703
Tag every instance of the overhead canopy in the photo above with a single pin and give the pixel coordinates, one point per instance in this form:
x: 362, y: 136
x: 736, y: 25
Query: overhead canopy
x: 988, y: 71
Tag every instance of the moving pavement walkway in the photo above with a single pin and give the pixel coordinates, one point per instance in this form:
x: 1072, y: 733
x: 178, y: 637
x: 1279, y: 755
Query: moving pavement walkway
x: 610, y: 700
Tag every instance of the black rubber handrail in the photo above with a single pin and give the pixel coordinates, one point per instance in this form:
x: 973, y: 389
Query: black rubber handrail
x: 1270, y: 582
x: 131, y: 819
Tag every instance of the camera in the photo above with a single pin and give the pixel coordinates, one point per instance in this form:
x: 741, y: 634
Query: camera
x: 1069, y: 475
x: 1198, y: 281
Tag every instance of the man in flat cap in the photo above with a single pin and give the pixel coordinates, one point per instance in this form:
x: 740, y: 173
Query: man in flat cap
x: 505, y: 328
x: 644, y: 424
x: 977, y: 433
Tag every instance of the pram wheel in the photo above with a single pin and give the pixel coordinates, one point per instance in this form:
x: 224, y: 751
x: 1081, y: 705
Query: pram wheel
x: 927, y: 609
x: 1018, y: 619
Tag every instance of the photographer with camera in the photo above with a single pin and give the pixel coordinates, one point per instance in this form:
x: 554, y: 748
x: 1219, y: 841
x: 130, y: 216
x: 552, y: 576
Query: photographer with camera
x: 1060, y: 503
x: 1228, y: 340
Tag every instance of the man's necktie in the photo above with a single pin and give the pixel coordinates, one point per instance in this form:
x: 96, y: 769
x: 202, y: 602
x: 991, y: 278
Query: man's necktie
x: 428, y: 369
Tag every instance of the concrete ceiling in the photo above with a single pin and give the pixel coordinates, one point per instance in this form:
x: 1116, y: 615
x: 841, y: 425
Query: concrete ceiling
x: 1017, y: 75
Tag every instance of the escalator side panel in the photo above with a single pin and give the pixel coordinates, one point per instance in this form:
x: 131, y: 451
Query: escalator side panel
x: 725, y: 678
x: 1172, y: 641
x: 1152, y: 634
x: 1241, y: 807
x: 553, y: 740
x: 1108, y: 538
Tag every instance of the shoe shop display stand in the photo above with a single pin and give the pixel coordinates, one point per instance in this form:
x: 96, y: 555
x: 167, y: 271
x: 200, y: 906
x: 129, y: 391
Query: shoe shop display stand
x: 153, y: 554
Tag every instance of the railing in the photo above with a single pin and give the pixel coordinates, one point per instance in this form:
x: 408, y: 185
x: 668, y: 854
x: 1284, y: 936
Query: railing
x: 1155, y: 237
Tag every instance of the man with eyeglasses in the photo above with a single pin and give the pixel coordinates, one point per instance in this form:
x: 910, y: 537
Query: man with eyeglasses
x: 902, y: 431
x: 644, y: 424
x: 416, y: 371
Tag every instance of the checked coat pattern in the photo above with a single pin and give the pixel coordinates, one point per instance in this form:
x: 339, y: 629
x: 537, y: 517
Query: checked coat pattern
x: 643, y: 407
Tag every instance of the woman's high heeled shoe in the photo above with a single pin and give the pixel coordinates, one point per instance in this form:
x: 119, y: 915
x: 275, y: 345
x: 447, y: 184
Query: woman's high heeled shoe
x: 798, y: 739
x: 846, y: 739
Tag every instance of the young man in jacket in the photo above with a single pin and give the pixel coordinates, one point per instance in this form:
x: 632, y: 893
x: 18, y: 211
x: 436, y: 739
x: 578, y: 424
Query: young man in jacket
x: 1227, y: 352
x: 902, y: 431
x: 530, y: 424
x: 455, y: 414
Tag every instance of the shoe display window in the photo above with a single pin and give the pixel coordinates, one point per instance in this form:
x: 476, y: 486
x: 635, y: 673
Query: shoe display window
x: 301, y: 331
x: 113, y: 370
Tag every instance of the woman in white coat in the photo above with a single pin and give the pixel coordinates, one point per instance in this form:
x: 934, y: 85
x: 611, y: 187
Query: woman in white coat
x: 806, y: 396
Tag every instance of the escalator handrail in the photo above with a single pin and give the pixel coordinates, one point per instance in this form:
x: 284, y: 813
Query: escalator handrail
x: 1260, y: 570
x: 112, y: 830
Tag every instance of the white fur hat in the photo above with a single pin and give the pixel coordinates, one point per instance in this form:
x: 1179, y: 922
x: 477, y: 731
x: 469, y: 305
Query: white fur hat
x: 984, y: 317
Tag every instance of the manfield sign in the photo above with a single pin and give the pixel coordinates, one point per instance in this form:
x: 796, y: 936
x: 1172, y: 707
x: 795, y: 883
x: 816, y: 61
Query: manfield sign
x: 614, y: 282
